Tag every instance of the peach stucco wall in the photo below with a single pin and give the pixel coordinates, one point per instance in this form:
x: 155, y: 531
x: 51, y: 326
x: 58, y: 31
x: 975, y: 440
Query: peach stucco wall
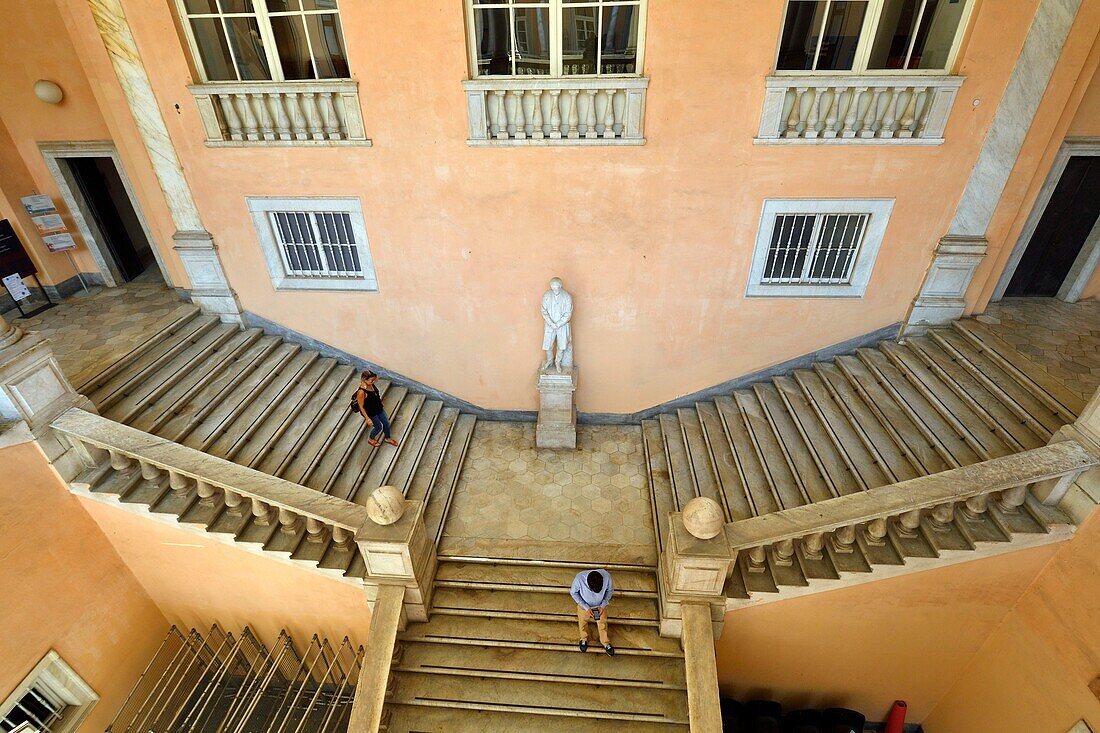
x: 654, y: 242
x: 906, y: 638
x: 1033, y: 672
x: 196, y: 581
x: 1069, y: 108
x: 65, y: 588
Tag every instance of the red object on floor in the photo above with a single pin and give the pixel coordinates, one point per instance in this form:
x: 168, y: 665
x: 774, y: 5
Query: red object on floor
x: 895, y: 723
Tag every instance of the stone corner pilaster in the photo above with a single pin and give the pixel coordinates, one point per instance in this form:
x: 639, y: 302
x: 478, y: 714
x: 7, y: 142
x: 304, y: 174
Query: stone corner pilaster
x: 942, y: 297
x: 209, y: 287
x: 692, y: 570
x: 400, y: 554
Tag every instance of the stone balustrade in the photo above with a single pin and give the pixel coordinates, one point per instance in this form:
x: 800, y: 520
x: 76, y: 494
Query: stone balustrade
x: 857, y: 109
x: 541, y: 110
x: 281, y: 113
x: 213, y: 480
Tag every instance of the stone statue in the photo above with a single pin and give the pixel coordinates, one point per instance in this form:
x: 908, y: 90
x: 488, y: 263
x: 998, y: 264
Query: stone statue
x: 557, y: 309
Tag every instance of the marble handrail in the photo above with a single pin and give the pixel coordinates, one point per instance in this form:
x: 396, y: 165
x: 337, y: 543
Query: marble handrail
x: 211, y: 478
x: 323, y: 112
x: 844, y: 109
x: 1006, y: 481
x: 545, y: 110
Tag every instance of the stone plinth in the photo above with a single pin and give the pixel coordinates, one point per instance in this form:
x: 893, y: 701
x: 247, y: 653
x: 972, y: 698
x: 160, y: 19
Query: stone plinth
x: 557, y: 424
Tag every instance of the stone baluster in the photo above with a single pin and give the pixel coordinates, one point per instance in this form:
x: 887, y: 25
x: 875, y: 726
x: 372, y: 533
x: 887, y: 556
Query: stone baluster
x: 590, y: 115
x: 315, y: 530
x: 832, y: 112
x: 121, y: 462
x: 1010, y: 500
x: 282, y: 120
x: 852, y: 113
x: 234, y: 502
x: 909, y: 116
x: 843, y: 539
x: 266, y: 125
x: 151, y: 472
x: 875, y: 532
x: 909, y: 523
x: 871, y: 116
x: 889, y: 120
x: 328, y: 115
x: 609, y: 115
x: 974, y: 507
x: 313, y: 115
x: 812, y: 117
x: 537, y: 132
x: 783, y: 553
x: 343, y: 537
x: 242, y: 103
x: 519, y: 118
x: 207, y: 493
x: 289, y: 521
x: 555, y: 114
x: 501, y: 117
x: 813, y: 544
x: 942, y: 516
x: 181, y: 484
x: 795, y: 117
x: 756, y: 560
x: 574, y: 116
x: 232, y: 119
x: 262, y: 512
x: 297, y: 116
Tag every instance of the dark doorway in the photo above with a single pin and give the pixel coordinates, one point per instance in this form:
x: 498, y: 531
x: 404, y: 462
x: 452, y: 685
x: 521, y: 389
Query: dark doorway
x: 118, y: 225
x: 1065, y: 225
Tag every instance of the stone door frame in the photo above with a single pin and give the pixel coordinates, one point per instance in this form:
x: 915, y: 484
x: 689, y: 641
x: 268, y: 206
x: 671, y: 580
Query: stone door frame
x: 54, y: 153
x: 1084, y: 267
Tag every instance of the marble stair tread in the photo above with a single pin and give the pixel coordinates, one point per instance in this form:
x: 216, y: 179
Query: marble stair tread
x: 832, y: 463
x: 420, y: 481
x: 544, y: 665
x: 443, y: 485
x: 582, y: 554
x: 660, y: 486
x: 799, y: 456
x: 558, y: 635
x: 415, y: 447
x: 535, y: 578
x: 423, y: 719
x: 496, y: 603
x: 567, y: 699
x: 376, y: 471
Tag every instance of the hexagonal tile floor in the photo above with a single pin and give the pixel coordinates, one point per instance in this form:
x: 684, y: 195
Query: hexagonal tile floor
x: 588, y: 505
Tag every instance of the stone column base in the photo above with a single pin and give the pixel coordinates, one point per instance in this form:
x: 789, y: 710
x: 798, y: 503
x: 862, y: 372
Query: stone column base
x: 557, y: 423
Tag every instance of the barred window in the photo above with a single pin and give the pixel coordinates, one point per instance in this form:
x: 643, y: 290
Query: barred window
x: 51, y: 699
x: 817, y: 248
x: 814, y: 248
x: 314, y: 244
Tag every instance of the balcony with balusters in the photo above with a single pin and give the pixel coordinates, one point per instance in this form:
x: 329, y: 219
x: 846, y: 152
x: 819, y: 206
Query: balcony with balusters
x: 876, y: 110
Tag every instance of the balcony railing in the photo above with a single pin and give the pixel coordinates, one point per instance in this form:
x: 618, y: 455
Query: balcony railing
x: 541, y: 110
x: 857, y: 109
x: 281, y: 113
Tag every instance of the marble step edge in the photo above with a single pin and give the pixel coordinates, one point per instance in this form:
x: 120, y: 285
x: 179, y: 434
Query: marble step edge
x: 545, y: 645
x: 534, y: 710
x: 523, y: 588
x: 400, y: 718
x: 536, y: 677
x: 531, y: 562
x: 528, y: 616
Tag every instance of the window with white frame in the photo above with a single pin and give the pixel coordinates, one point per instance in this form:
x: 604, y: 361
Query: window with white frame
x: 265, y: 40
x: 51, y: 699
x: 556, y: 37
x: 314, y: 244
x: 817, y: 248
x: 895, y: 36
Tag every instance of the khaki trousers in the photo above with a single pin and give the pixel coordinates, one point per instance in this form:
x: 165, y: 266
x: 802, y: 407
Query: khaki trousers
x: 584, y: 616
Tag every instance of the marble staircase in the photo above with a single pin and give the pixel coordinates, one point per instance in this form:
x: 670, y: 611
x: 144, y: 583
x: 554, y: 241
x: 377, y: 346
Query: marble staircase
x: 500, y: 654
x: 797, y: 449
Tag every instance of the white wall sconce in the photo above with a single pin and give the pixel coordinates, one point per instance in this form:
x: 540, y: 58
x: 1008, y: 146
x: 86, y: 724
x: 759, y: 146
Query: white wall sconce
x: 48, y: 91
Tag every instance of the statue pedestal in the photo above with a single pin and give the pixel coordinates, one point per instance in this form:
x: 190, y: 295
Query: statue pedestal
x: 557, y: 424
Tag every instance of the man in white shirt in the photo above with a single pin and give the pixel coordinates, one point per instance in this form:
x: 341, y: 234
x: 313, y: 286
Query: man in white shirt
x: 592, y: 590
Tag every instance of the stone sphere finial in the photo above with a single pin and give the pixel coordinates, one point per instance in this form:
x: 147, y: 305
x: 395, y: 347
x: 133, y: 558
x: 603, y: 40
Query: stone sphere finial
x: 385, y: 505
x: 703, y: 518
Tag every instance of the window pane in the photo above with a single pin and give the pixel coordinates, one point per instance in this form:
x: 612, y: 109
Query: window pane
x: 620, y: 40
x: 492, y: 42
x: 282, y: 6
x: 532, y: 41
x: 319, y: 4
x: 579, y: 40
x: 895, y: 30
x: 938, y: 30
x: 837, y: 24
x: 290, y: 42
x: 835, y: 253
x: 237, y: 6
x: 789, y: 245
x: 328, y: 46
x: 248, y: 48
x: 213, y: 49
x: 200, y: 6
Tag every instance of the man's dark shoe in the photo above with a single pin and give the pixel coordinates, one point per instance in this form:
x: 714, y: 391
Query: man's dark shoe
x: 609, y: 649
x: 584, y: 646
